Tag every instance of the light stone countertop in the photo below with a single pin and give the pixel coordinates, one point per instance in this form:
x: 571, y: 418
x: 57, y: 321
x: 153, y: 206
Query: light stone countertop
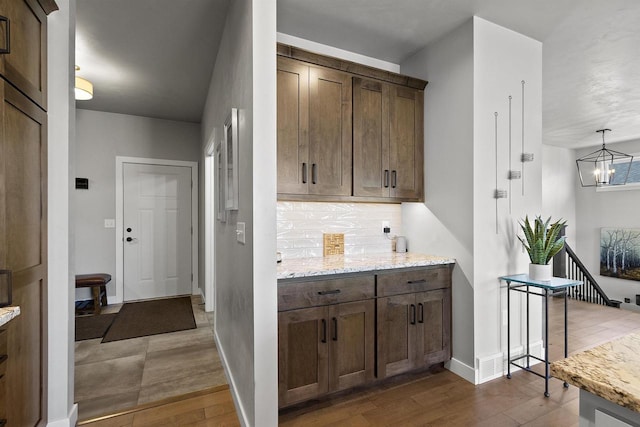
x: 339, y: 264
x: 8, y: 313
x: 610, y: 371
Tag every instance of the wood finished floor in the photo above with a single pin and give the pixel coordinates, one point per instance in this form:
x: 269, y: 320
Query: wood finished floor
x: 437, y: 398
x: 441, y: 398
x: 114, y: 376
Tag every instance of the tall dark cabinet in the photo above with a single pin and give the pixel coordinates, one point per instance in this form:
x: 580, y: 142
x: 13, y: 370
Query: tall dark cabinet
x: 23, y: 207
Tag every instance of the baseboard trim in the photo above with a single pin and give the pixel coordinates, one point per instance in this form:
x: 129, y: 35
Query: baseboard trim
x: 462, y: 370
x: 240, y: 410
x: 70, y: 421
x: 495, y: 365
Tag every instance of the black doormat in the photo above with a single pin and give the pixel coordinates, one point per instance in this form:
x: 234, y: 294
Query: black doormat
x: 140, y: 319
x: 91, y: 327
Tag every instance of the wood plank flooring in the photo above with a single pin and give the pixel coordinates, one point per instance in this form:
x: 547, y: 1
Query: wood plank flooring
x: 441, y: 398
x: 208, y: 408
x: 435, y: 398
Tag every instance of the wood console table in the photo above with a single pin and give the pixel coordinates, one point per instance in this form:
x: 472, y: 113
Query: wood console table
x: 555, y: 287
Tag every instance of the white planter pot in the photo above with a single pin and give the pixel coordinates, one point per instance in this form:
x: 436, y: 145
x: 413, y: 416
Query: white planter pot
x: 541, y: 273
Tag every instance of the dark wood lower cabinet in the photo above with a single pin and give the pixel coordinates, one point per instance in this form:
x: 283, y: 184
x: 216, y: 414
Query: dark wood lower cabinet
x: 333, y: 333
x: 325, y: 349
x: 413, y: 331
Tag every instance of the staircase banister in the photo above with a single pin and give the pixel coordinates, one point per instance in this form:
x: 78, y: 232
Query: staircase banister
x: 586, y: 273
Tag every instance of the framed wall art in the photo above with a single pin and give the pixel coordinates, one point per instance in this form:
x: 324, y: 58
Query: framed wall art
x: 620, y: 253
x: 231, y: 160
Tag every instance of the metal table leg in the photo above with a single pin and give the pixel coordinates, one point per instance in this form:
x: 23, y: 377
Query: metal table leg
x: 546, y: 343
x: 566, y: 341
x: 508, y: 330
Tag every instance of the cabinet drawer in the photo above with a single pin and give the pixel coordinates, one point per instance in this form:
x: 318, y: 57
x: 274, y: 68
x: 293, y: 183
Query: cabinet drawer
x: 405, y: 282
x: 323, y: 292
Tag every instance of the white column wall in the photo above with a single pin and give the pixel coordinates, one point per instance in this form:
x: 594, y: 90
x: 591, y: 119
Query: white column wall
x: 61, y: 411
x: 502, y: 59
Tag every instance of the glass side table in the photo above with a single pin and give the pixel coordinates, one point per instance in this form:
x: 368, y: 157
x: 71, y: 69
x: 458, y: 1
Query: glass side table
x: 524, y: 284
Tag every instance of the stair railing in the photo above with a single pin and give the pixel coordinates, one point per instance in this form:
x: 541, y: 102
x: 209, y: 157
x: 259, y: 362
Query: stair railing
x: 566, y: 264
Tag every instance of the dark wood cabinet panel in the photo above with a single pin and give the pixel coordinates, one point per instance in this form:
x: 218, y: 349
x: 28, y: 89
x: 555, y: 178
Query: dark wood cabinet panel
x: 396, y: 334
x: 314, y: 130
x: 302, y: 354
x: 23, y: 249
x: 410, y: 281
x: 293, y: 127
x: 292, y: 295
x: 352, y: 349
x: 434, y: 321
x: 406, y: 142
x: 388, y: 141
x: 371, y: 173
x: 25, y: 66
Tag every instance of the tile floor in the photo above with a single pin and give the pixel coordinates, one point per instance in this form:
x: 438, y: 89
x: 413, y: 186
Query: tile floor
x: 118, y: 375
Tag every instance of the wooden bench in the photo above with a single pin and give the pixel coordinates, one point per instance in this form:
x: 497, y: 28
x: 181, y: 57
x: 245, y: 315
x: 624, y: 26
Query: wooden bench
x: 97, y: 282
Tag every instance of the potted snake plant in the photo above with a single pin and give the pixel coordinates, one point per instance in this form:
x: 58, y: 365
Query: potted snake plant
x: 542, y: 242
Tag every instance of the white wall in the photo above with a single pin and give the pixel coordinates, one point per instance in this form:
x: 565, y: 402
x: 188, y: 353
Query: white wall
x: 596, y: 209
x: 443, y: 225
x: 472, y: 71
x: 100, y: 138
x: 559, y: 187
x: 61, y: 116
x: 502, y: 59
x: 245, y: 275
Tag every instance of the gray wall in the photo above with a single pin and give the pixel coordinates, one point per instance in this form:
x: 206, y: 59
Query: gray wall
x: 443, y: 225
x: 558, y: 187
x: 100, y: 138
x: 596, y: 209
x: 245, y: 274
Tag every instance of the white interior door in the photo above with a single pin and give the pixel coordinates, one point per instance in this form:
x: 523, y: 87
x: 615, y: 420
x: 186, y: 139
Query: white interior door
x: 156, y: 231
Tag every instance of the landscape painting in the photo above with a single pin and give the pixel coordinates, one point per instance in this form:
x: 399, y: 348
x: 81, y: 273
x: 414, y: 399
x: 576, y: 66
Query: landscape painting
x: 620, y: 253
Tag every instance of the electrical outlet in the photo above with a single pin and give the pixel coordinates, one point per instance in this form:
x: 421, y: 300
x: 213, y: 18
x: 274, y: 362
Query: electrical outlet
x: 109, y: 223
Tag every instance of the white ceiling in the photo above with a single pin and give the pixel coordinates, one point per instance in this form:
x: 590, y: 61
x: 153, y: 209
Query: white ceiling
x: 154, y: 57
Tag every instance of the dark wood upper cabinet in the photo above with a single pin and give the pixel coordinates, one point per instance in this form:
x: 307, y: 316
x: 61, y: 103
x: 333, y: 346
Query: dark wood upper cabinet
x: 347, y: 132
x: 314, y: 130
x: 25, y: 65
x: 388, y: 140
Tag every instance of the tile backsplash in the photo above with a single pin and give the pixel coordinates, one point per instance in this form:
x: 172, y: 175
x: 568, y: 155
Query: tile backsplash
x: 301, y: 225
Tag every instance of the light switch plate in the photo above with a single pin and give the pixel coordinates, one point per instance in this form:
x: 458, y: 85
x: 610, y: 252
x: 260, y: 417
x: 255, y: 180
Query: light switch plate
x: 240, y: 236
x: 109, y: 223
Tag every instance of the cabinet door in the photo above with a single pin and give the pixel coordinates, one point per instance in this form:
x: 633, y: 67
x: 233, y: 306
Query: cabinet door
x: 329, y: 132
x: 26, y: 64
x: 23, y: 249
x: 302, y: 354
x: 352, y: 344
x: 293, y: 127
x: 371, y: 173
x: 396, y: 334
x: 406, y: 142
x: 434, y: 327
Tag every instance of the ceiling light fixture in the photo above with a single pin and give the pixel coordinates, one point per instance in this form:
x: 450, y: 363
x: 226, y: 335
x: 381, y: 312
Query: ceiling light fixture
x: 83, y: 89
x: 598, y: 169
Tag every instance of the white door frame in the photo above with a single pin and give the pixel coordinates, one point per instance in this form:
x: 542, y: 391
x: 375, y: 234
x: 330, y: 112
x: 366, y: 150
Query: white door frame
x: 209, y: 224
x: 120, y: 161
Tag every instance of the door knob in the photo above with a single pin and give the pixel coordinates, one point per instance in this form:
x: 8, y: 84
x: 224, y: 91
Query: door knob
x: 129, y: 239
x: 129, y: 230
